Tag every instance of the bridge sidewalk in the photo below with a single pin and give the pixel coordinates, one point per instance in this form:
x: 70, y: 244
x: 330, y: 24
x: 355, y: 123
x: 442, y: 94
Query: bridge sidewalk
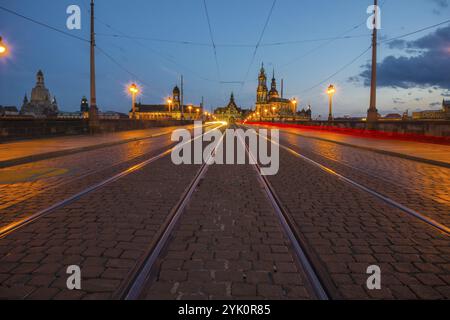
x: 20, y: 152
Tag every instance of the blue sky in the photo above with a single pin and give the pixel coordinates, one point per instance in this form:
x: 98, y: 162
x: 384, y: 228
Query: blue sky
x: 157, y: 66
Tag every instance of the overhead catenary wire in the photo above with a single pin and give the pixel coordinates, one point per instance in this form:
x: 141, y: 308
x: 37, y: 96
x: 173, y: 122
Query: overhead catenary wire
x: 339, y: 70
x: 415, y: 32
x: 212, y: 39
x: 44, y: 25
x: 259, y: 42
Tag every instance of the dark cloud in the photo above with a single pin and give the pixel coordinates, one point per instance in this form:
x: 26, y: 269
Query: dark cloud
x: 397, y: 44
x: 435, y: 104
x: 440, y: 5
x: 428, y: 68
x: 398, y: 101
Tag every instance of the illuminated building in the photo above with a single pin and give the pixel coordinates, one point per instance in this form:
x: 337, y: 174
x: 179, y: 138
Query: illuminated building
x: 443, y: 114
x: 270, y: 104
x: 41, y: 104
x: 231, y: 113
x: 171, y: 110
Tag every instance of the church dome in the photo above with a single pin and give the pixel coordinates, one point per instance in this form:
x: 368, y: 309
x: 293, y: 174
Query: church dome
x: 176, y: 90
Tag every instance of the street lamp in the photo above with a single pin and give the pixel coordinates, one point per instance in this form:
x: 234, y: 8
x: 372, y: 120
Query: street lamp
x: 331, y: 91
x: 169, y: 102
x: 3, y: 48
x: 294, y: 102
x: 134, y: 90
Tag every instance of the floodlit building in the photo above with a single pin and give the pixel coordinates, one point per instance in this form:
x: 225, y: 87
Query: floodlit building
x: 231, y: 113
x: 443, y: 114
x: 41, y: 104
x: 170, y: 111
x: 270, y: 104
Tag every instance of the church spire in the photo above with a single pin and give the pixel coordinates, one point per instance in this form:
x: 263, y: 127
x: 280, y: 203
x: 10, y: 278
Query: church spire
x: 274, y: 81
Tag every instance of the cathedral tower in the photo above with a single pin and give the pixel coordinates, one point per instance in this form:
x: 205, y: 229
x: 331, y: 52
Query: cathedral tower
x: 176, y: 101
x: 273, y: 91
x: 261, y: 96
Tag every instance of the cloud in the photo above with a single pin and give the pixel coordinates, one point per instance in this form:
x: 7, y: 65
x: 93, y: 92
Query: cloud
x: 435, y: 104
x: 398, y: 101
x: 397, y: 44
x: 440, y: 5
x: 429, y: 68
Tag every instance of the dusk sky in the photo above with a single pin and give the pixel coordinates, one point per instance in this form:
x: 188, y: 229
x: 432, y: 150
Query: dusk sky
x: 414, y: 71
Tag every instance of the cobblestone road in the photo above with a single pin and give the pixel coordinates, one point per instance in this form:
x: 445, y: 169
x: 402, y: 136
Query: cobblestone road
x: 228, y: 243
x: 348, y: 230
x: 20, y: 199
x: 420, y: 186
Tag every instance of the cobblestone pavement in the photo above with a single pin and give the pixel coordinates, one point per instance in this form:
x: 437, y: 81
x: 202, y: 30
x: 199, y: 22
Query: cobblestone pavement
x: 229, y: 244
x: 419, y: 186
x: 79, y: 171
x: 347, y: 230
x: 105, y: 233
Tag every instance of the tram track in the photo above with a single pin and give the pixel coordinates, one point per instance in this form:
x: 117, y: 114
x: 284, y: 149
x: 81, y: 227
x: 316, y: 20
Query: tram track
x: 14, y: 226
x: 315, y: 278
x: 411, y: 212
x: 139, y: 276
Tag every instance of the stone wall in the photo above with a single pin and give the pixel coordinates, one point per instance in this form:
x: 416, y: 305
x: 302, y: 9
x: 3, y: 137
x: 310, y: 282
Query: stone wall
x: 16, y: 128
x: 420, y: 128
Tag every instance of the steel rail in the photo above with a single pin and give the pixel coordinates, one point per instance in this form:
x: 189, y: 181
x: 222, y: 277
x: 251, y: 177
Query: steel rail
x: 12, y: 227
x: 422, y: 217
x: 287, y: 224
x: 141, y: 275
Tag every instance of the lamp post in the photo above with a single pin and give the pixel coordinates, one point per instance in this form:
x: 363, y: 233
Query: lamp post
x: 134, y: 90
x: 169, y: 102
x: 190, y: 112
x: 372, y: 113
x: 331, y: 91
x: 3, y: 49
x: 294, y: 102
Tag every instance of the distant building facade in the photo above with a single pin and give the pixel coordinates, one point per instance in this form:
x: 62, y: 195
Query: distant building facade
x: 41, y: 104
x: 9, y: 111
x: 443, y: 114
x: 231, y: 113
x: 271, y: 105
x: 172, y: 110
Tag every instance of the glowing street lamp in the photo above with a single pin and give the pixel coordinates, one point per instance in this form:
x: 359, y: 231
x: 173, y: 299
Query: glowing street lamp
x: 3, y: 48
x: 169, y: 102
x: 294, y: 102
x: 134, y: 91
x: 331, y: 91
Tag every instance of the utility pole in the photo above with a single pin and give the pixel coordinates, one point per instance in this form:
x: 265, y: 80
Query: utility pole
x: 182, y: 98
x: 93, y: 110
x: 372, y: 113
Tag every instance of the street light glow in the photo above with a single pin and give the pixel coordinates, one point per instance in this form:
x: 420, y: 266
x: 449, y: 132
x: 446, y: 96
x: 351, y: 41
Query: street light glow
x: 133, y: 89
x: 331, y: 90
x: 3, y: 48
